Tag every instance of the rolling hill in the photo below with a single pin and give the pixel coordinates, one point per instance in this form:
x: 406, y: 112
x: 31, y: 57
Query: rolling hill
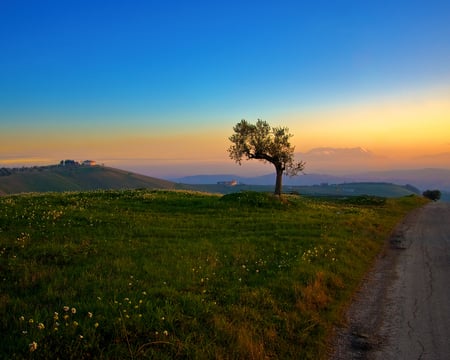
x: 56, y: 178
x: 422, y: 179
x: 74, y: 178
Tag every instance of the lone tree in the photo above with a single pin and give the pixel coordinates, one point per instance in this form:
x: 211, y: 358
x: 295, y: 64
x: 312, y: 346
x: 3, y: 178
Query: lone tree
x: 266, y: 143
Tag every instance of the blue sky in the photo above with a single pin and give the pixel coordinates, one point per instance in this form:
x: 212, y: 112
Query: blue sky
x: 176, y: 69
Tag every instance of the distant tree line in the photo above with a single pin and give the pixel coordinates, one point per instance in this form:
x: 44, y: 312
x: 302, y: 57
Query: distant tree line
x: 69, y: 163
x: 4, y: 171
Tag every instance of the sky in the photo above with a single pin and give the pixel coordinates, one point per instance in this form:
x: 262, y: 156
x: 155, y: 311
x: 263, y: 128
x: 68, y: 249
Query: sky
x: 157, y: 86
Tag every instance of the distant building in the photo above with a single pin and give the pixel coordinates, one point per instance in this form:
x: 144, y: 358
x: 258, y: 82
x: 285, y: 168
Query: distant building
x: 88, y: 163
x: 228, y: 183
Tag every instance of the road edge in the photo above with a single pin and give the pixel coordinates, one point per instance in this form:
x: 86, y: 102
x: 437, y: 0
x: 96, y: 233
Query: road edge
x: 360, y: 335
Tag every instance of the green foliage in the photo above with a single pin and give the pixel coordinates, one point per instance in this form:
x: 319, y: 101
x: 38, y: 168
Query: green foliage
x: 365, y: 200
x: 335, y: 190
x: 169, y: 274
x: 253, y: 198
x: 432, y: 194
x: 262, y: 142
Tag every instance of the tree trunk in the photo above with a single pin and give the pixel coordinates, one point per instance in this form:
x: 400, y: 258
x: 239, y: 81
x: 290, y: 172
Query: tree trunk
x: 279, y: 181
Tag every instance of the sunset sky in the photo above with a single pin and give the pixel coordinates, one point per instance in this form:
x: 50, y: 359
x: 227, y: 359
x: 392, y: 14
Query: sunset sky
x: 157, y: 86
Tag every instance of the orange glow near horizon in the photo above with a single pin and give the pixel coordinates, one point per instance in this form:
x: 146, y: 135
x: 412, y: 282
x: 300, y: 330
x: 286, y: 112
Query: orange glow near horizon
x: 399, y: 130
x: 395, y: 131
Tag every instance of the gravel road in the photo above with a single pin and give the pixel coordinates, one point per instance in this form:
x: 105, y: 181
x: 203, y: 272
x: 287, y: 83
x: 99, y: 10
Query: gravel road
x: 403, y: 309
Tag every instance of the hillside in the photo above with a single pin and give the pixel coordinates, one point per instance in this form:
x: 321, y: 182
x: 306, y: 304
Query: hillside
x: 76, y: 178
x: 420, y: 178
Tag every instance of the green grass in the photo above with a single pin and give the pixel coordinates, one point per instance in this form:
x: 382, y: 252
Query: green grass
x: 170, y: 274
x: 341, y: 190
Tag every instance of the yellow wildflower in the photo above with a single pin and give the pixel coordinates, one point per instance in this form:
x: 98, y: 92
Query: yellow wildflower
x: 32, y: 346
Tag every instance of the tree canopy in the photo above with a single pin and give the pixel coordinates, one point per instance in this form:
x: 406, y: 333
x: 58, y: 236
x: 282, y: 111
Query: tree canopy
x: 269, y: 144
x: 432, y: 194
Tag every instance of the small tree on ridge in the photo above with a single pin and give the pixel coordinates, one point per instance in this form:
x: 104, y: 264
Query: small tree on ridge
x: 434, y: 195
x: 269, y: 144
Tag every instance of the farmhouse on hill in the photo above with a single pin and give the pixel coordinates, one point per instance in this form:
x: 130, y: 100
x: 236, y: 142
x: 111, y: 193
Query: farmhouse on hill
x: 76, y: 163
x: 228, y: 183
x: 88, y: 163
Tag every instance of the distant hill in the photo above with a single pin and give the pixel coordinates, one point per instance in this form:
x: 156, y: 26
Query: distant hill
x: 422, y: 179
x: 445, y: 196
x: 80, y: 178
x: 268, y: 179
x: 74, y: 178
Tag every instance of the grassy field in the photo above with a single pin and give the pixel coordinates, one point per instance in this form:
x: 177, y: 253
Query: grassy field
x: 336, y: 190
x: 171, y: 274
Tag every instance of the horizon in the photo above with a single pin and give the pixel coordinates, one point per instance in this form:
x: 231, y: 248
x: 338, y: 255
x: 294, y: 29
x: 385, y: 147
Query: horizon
x: 254, y: 168
x: 421, y: 178
x: 156, y: 88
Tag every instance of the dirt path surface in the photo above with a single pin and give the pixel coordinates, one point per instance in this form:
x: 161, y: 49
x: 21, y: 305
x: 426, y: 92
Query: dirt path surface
x: 403, y: 309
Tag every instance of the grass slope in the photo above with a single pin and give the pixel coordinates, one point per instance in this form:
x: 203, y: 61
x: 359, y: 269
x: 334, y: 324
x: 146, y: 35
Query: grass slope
x: 169, y: 274
x: 78, y: 178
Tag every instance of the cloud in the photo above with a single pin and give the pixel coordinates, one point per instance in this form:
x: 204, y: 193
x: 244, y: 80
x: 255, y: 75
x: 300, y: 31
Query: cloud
x: 339, y: 160
x: 331, y: 153
x: 436, y: 157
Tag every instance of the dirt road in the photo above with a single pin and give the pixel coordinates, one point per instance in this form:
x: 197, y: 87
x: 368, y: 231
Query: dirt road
x: 403, y: 309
